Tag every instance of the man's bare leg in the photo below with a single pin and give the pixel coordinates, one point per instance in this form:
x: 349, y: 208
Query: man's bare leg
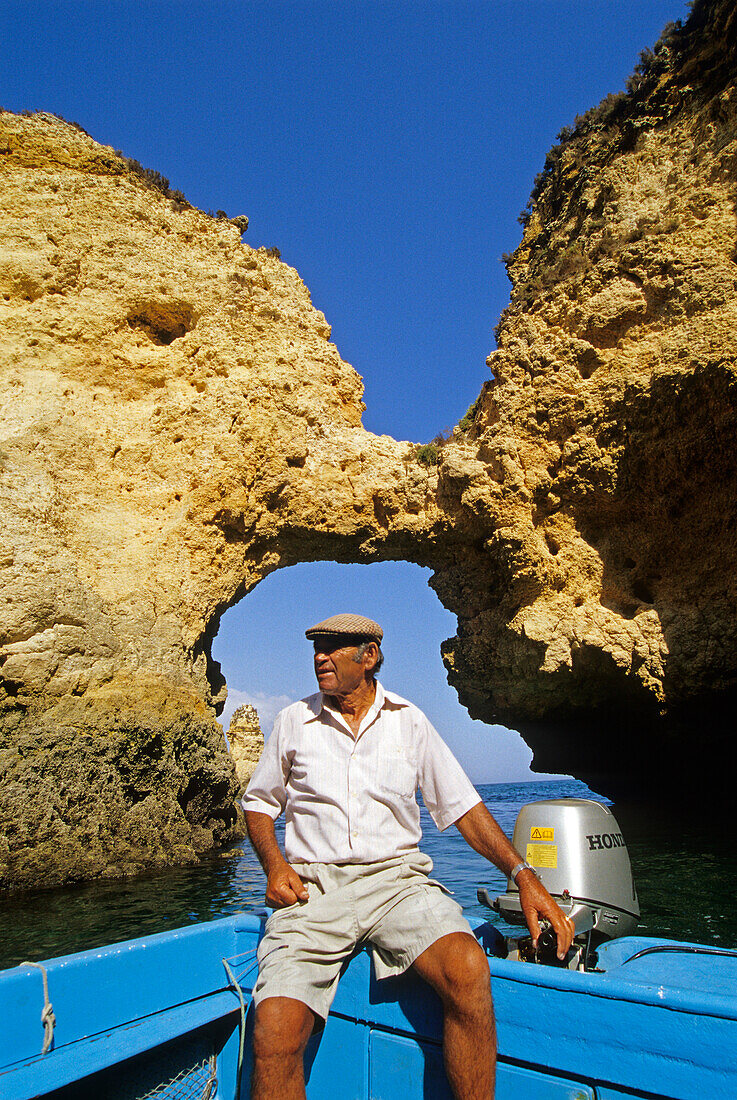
x: 281, y: 1030
x: 457, y: 969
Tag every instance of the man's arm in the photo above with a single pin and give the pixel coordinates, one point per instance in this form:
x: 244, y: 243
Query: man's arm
x: 283, y: 884
x: 479, y: 829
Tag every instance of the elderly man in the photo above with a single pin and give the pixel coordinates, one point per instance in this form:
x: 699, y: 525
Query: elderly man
x: 344, y: 765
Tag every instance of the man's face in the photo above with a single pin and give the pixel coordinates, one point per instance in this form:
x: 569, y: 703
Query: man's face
x: 338, y: 673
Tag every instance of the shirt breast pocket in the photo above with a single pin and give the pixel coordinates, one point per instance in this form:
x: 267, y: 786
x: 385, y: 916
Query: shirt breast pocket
x: 398, y: 774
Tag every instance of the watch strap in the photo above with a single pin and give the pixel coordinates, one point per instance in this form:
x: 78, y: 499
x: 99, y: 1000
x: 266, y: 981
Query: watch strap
x: 522, y: 866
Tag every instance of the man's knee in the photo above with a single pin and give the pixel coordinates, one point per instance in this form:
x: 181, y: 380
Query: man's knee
x: 458, y: 970
x: 468, y: 966
x: 282, y: 1027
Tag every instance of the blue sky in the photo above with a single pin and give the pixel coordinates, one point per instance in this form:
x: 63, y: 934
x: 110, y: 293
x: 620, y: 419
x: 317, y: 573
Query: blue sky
x: 386, y: 147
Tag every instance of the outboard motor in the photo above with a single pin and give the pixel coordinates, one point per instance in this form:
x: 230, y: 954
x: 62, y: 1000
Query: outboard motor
x: 579, y: 854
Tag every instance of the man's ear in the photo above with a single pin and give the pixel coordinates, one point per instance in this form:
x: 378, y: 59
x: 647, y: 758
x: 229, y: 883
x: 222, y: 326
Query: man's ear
x: 372, y: 651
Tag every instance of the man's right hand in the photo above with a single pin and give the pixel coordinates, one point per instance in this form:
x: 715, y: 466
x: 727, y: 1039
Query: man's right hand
x: 284, y: 887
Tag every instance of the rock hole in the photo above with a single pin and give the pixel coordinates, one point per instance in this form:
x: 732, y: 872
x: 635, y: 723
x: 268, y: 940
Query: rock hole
x: 554, y: 467
x: 641, y: 589
x: 588, y: 362
x: 380, y: 511
x: 622, y: 604
x: 552, y: 543
x: 162, y: 322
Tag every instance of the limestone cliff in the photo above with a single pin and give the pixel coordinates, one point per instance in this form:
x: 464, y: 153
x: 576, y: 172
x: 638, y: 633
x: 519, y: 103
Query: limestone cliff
x: 176, y: 424
x: 597, y: 611
x: 246, y: 742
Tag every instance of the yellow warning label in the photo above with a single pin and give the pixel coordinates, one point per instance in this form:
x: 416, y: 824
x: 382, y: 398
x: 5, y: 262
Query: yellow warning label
x: 542, y: 855
x: 538, y: 835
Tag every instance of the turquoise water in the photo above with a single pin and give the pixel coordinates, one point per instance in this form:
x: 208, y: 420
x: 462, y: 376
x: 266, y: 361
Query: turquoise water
x: 686, y: 877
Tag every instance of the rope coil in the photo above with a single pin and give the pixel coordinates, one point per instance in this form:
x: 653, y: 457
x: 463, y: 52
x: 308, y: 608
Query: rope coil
x: 48, y: 1019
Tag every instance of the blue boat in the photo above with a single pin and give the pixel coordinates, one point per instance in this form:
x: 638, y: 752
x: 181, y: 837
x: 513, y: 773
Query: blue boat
x: 167, y: 1016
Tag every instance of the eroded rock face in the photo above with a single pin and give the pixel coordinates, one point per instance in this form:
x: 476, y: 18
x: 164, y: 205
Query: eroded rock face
x: 176, y: 424
x: 600, y: 615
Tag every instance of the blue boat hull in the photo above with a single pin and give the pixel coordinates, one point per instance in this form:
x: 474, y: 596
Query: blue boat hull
x: 160, y: 1016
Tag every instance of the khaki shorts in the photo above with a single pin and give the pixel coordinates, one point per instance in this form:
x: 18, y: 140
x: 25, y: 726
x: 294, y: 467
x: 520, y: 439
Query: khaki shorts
x: 392, y: 905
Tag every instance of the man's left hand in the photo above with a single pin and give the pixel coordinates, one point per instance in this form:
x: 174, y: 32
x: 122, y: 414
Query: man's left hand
x: 537, y: 904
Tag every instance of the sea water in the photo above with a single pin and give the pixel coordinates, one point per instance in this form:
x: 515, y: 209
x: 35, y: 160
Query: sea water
x: 685, y: 874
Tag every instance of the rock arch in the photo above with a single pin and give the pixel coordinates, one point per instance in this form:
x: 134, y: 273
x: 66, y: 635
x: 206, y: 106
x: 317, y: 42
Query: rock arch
x: 177, y: 424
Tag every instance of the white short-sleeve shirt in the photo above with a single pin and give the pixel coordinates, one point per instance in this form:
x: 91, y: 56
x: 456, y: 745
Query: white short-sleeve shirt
x: 351, y: 799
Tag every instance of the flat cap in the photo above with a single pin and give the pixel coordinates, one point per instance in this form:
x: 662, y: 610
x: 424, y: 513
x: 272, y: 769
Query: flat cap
x: 356, y: 626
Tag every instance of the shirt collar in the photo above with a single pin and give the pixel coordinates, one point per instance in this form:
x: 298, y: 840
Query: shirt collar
x: 318, y: 702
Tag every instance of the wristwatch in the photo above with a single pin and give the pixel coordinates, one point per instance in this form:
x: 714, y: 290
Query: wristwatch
x: 523, y: 866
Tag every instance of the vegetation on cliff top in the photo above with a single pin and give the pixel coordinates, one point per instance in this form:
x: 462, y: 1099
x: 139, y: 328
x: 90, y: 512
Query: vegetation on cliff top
x: 154, y: 180
x: 654, y: 92
x: 428, y: 454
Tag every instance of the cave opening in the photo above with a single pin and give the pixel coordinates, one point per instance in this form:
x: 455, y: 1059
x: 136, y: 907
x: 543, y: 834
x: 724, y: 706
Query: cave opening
x: 267, y: 661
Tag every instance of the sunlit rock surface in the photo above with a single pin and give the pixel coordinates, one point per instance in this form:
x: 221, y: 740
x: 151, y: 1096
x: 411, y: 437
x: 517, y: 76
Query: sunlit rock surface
x: 598, y: 612
x: 176, y: 424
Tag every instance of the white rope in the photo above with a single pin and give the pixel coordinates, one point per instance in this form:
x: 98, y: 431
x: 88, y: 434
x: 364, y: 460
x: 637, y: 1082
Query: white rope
x: 242, y: 1040
x: 48, y: 1019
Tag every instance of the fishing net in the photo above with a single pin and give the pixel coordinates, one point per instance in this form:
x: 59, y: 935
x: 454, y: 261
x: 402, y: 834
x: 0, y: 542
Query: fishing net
x: 185, y: 1069
x: 196, y: 1082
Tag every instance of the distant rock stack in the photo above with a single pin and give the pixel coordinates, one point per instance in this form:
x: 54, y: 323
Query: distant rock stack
x: 246, y: 742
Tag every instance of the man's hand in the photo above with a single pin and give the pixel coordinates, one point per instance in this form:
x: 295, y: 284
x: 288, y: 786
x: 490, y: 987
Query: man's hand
x: 537, y: 903
x: 284, y: 887
x: 479, y: 829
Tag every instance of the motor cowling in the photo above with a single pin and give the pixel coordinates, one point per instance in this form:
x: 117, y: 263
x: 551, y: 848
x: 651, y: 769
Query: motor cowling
x: 579, y: 854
